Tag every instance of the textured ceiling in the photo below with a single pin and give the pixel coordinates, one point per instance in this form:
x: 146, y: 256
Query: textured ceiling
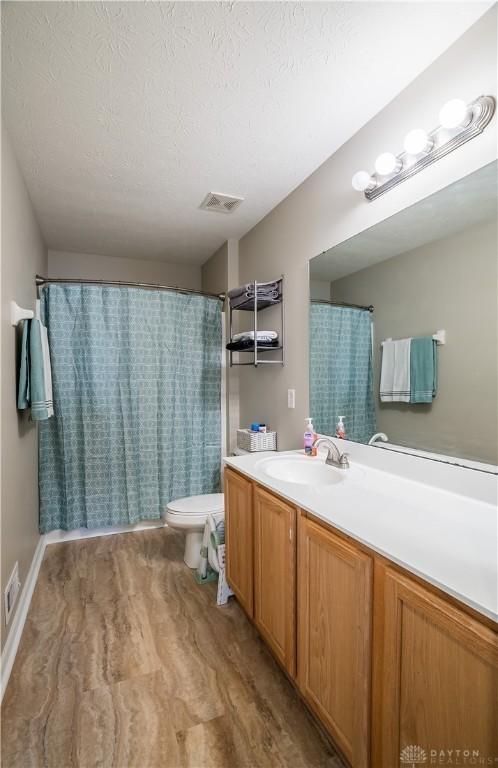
x: 124, y: 115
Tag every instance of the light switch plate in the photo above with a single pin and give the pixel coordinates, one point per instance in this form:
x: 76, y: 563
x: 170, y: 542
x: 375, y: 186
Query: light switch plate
x: 291, y: 398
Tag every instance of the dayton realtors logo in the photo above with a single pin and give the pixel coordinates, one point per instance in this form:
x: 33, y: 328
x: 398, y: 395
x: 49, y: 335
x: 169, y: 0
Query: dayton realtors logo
x: 413, y: 755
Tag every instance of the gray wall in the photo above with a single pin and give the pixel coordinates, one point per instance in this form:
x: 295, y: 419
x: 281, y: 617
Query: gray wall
x: 90, y: 266
x: 23, y: 255
x: 451, y: 284
x: 320, y: 290
x: 214, y: 272
x: 220, y: 273
x: 324, y: 210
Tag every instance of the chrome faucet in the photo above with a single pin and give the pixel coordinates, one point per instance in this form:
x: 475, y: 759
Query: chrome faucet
x: 334, y: 457
x: 378, y: 436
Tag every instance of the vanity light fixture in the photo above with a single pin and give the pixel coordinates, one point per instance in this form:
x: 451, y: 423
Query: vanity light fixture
x: 417, y: 141
x: 387, y: 163
x: 455, y: 114
x: 459, y: 122
x: 362, y: 180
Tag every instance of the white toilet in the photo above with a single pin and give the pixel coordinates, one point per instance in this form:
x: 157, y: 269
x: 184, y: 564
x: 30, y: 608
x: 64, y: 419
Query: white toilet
x: 189, y: 515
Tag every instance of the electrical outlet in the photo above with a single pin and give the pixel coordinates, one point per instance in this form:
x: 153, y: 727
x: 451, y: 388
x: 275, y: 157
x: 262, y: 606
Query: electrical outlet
x: 11, y: 592
x: 291, y: 398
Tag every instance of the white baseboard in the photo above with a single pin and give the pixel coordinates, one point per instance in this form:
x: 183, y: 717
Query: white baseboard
x: 17, y: 626
x: 14, y: 637
x: 89, y: 533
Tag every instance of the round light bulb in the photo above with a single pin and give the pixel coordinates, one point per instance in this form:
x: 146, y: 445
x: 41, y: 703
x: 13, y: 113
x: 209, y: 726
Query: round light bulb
x: 455, y: 114
x: 387, y: 163
x: 417, y: 141
x: 362, y: 181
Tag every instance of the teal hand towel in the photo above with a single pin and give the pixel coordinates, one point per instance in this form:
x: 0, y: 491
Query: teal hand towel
x: 23, y: 395
x: 35, y: 376
x: 423, y: 370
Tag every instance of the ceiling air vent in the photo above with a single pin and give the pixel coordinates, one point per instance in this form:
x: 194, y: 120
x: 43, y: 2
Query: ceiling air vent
x: 220, y: 203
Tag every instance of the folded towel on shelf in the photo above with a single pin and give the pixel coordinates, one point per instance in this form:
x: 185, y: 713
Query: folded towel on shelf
x: 264, y: 289
x: 260, y: 335
x: 423, y: 369
x: 267, y: 294
x: 35, y: 375
x: 395, y: 371
x: 243, y: 302
x: 241, y: 344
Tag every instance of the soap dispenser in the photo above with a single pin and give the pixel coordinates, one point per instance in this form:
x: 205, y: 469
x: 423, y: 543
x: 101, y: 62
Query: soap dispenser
x: 309, y: 438
x: 340, y: 430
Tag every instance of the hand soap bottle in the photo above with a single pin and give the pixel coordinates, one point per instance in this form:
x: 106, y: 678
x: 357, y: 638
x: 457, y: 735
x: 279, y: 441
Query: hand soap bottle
x: 340, y: 430
x: 309, y: 438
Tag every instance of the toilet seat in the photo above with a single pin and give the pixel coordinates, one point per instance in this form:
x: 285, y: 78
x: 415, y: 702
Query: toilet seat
x: 200, y: 505
x: 185, y: 519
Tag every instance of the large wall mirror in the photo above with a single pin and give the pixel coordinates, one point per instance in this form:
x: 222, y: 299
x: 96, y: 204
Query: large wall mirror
x: 378, y: 305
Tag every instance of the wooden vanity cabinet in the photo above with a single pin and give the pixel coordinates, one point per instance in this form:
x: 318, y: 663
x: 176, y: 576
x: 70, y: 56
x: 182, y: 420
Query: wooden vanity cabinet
x: 435, y: 676
x: 397, y: 672
x: 275, y: 575
x: 334, y: 636
x: 239, y: 533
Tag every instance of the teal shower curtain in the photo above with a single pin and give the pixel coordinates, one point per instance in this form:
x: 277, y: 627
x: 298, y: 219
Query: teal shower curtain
x: 341, y: 376
x: 137, y: 399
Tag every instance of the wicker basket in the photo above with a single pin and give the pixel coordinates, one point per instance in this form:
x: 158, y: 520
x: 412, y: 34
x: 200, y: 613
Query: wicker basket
x: 256, y: 441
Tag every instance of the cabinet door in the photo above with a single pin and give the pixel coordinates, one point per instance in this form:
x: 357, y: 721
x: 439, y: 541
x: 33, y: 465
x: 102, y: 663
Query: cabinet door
x: 334, y: 635
x: 436, y: 681
x: 275, y: 574
x: 239, y: 538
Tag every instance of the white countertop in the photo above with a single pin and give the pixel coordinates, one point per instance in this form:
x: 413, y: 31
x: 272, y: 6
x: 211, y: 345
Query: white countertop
x: 447, y: 538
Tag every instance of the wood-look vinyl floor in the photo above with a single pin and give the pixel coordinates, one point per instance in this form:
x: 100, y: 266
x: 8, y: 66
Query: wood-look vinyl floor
x: 126, y: 662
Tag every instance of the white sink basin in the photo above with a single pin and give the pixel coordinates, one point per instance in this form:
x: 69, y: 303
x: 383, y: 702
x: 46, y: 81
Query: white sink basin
x: 302, y: 470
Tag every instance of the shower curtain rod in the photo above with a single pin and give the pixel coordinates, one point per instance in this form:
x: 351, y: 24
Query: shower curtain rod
x: 370, y: 308
x: 39, y: 280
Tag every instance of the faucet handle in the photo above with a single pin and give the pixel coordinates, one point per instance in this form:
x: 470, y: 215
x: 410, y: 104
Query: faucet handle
x: 344, y: 460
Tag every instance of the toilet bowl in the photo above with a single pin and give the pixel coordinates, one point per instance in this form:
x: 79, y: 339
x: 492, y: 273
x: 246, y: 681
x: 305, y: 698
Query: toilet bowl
x: 189, y: 515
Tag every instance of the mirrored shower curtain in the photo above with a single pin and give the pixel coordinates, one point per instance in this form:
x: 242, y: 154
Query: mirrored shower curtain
x: 137, y: 399
x: 341, y: 370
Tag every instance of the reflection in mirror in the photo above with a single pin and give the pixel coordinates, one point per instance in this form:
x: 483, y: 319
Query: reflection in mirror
x: 404, y: 331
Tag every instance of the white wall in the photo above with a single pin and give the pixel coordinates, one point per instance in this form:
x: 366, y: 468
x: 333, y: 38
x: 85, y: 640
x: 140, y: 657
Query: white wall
x: 90, y: 266
x: 324, y: 211
x: 23, y: 255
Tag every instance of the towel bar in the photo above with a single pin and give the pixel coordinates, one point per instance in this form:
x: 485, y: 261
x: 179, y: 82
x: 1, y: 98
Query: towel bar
x: 439, y: 337
x: 17, y: 313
